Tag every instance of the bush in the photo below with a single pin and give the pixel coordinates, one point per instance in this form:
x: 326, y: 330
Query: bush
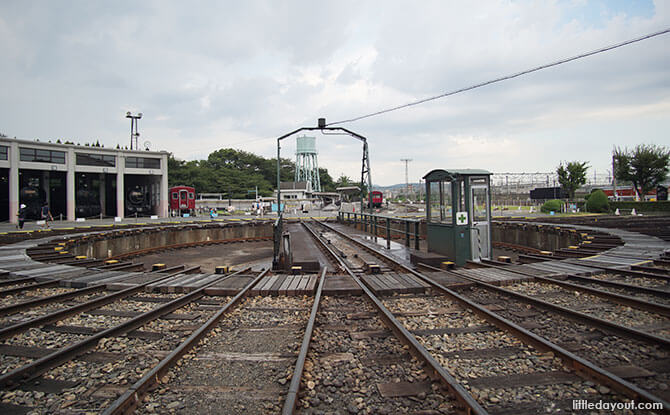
x: 553, y: 204
x: 597, y: 202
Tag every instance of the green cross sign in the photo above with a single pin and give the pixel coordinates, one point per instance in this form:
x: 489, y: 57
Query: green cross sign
x: 461, y: 218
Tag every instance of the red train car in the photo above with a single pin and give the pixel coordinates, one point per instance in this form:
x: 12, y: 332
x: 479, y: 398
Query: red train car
x: 628, y: 193
x: 377, y: 198
x: 182, y: 200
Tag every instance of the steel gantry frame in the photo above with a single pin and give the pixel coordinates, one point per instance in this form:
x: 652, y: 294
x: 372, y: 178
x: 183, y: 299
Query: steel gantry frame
x: 365, y: 174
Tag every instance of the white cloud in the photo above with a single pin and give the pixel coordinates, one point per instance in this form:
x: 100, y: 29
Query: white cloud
x: 240, y: 74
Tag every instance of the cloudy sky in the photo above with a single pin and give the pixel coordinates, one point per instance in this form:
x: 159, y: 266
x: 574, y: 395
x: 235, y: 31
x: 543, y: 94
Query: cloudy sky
x: 209, y: 75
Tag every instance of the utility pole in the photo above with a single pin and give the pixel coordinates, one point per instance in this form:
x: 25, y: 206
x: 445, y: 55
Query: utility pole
x: 613, y: 177
x: 406, y: 176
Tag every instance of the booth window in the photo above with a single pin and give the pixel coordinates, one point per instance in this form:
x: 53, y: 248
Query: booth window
x: 41, y: 156
x: 440, y: 206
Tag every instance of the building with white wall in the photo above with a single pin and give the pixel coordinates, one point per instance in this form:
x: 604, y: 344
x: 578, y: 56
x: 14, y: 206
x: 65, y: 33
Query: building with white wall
x: 81, y: 181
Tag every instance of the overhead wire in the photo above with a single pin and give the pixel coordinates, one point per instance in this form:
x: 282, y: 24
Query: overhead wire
x: 506, y: 77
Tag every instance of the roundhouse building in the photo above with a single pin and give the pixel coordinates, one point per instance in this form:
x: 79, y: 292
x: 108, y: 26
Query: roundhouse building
x: 81, y: 181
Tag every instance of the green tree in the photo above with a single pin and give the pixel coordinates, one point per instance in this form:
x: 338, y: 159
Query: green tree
x: 345, y: 181
x: 572, y: 176
x: 645, y: 166
x: 233, y: 172
x: 327, y: 183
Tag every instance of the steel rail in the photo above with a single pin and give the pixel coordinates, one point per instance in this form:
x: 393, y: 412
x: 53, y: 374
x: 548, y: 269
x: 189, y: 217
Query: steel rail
x: 13, y: 281
x: 126, y: 403
x: 632, y: 333
x: 606, y: 283
x: 60, y: 356
x: 9, y: 331
x: 575, y: 315
x: 630, y: 273
x: 582, y: 367
x: 294, y: 388
x: 618, y: 298
x: 420, y: 352
x: 335, y: 255
x: 615, y: 284
x: 45, y: 284
x: 13, y: 308
x: 661, y: 271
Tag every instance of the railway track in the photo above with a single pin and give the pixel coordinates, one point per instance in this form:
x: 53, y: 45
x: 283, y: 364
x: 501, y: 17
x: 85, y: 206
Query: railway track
x: 356, y: 365
x: 551, y: 359
x: 643, y: 363
x: 245, y: 365
x: 432, y: 350
x: 84, y: 355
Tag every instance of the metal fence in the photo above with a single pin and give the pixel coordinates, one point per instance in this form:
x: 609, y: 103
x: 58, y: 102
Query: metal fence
x: 383, y: 226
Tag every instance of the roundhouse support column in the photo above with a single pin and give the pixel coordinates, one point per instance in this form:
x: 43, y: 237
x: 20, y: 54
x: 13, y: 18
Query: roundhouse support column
x: 163, y: 206
x: 103, y: 188
x: 120, y: 170
x: 14, y: 183
x: 69, y: 185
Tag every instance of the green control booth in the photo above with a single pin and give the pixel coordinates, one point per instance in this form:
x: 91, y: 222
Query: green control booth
x: 458, y: 214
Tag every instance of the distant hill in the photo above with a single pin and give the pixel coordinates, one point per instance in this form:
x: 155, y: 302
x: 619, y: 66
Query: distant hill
x: 393, y: 186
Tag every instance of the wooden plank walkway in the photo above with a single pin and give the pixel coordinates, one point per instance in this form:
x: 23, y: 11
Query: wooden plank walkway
x: 229, y: 286
x: 493, y: 276
x: 561, y: 268
x: 341, y: 285
x: 390, y: 283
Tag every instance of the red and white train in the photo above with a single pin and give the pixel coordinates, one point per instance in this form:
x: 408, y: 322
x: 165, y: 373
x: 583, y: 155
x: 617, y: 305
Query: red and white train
x: 182, y: 200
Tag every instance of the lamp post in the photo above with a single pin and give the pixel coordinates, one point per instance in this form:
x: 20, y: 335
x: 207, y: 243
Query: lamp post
x: 134, y: 134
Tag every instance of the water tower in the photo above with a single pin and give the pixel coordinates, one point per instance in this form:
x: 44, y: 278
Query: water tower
x: 306, y: 165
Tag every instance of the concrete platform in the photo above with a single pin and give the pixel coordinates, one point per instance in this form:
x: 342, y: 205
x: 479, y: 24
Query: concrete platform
x: 305, y: 252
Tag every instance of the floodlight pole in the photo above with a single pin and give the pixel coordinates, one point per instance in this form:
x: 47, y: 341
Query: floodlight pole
x: 134, y: 133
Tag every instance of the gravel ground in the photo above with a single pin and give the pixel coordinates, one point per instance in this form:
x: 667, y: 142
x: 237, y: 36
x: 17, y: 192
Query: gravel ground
x: 343, y: 374
x: 653, y: 298
x: 29, y: 295
x: 21, y: 284
x: 124, y: 361
x: 590, y: 304
x: 519, y: 359
x: 39, y: 311
x: 639, y: 281
x: 603, y: 349
x: 243, y: 367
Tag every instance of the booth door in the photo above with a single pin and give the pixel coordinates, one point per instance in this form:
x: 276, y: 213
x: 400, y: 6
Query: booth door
x: 481, y: 222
